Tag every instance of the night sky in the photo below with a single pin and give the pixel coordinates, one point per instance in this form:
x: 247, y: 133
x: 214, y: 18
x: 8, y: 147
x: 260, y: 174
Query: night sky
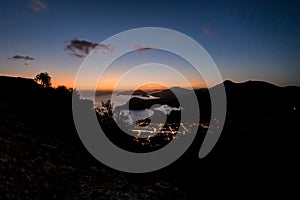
x: 247, y: 40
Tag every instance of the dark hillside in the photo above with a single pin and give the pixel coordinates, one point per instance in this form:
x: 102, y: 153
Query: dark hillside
x: 42, y: 157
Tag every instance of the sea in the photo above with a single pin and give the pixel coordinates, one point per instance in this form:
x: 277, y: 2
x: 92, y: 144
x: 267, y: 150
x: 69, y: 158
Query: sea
x: 118, y: 99
x: 115, y: 98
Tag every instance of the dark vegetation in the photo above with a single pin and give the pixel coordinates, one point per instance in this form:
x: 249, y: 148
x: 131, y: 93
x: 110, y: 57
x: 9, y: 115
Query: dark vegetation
x: 44, y: 78
x: 42, y: 157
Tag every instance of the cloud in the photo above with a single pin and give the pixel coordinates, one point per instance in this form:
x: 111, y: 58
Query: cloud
x: 81, y: 48
x: 141, y: 48
x: 19, y: 57
x: 76, y: 55
x: 208, y: 31
x: 38, y: 5
x: 105, y: 48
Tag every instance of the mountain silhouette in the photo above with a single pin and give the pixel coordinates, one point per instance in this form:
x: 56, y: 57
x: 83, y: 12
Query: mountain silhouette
x: 135, y: 92
x: 42, y: 155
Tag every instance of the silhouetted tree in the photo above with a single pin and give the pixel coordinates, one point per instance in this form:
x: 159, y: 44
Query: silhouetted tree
x: 63, y: 90
x: 105, y: 111
x: 44, y: 78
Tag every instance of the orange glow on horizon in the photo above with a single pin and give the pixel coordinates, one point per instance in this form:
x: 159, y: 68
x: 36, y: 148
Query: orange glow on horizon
x: 148, y: 87
x: 110, y: 86
x: 152, y: 86
x: 66, y: 82
x: 110, y: 83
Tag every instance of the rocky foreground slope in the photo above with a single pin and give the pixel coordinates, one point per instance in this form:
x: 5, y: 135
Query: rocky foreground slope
x: 41, y: 156
x: 256, y: 157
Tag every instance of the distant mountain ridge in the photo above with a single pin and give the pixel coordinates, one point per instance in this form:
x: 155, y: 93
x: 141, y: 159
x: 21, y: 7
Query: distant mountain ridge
x: 135, y: 92
x: 248, y: 96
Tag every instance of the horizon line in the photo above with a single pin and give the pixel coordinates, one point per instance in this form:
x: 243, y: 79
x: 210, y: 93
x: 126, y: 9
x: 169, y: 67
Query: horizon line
x: 159, y: 89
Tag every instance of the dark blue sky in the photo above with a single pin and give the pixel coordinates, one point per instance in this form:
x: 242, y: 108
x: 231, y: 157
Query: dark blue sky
x: 247, y: 40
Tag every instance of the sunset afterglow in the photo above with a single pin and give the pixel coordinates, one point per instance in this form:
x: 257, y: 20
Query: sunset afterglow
x: 247, y: 41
